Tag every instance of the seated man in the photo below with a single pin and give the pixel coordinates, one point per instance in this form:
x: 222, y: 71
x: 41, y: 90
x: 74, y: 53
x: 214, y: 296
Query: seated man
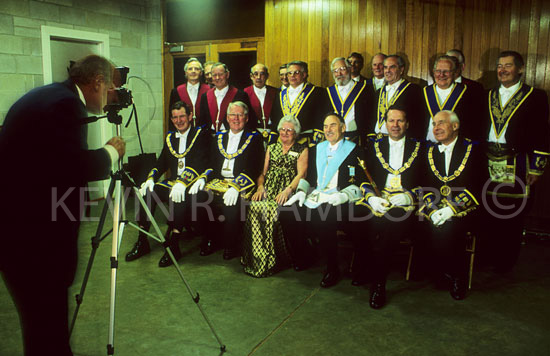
x: 183, y: 155
x: 394, y: 161
x: 332, y: 171
x: 236, y: 161
x: 452, y: 189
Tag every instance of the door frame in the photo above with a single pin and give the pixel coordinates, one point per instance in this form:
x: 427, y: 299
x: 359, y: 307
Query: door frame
x: 211, y: 50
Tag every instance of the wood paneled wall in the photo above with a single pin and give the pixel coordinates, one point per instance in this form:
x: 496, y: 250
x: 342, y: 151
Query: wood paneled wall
x: 316, y: 31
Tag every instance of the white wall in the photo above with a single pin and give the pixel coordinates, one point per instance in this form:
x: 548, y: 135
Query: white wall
x: 134, y: 31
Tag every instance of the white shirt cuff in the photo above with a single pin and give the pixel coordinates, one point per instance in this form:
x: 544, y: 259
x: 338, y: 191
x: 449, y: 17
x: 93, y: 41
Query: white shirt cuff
x: 113, y: 153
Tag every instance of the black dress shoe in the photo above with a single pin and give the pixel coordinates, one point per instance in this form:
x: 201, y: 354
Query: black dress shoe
x: 229, y: 254
x: 458, y: 288
x: 330, y: 279
x: 377, y: 296
x: 166, y: 261
x: 207, y: 248
x: 141, y: 248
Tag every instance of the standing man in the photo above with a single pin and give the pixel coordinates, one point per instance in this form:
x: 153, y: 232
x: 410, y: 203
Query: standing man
x: 184, y: 155
x: 302, y: 100
x: 236, y: 161
x: 472, y: 84
x: 453, y: 188
x: 445, y: 94
x: 402, y: 93
x: 377, y: 65
x: 517, y: 155
x: 44, y: 141
x: 261, y: 97
x: 208, y: 73
x: 357, y: 62
x: 352, y: 100
x: 215, y: 101
x: 334, y: 174
x: 283, y: 76
x: 395, y: 163
x: 192, y: 91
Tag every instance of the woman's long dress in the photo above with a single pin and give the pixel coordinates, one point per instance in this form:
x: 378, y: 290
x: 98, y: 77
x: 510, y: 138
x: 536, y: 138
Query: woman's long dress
x: 264, y: 249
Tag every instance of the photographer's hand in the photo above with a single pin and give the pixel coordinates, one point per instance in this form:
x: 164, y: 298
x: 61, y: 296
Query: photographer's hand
x: 118, y: 143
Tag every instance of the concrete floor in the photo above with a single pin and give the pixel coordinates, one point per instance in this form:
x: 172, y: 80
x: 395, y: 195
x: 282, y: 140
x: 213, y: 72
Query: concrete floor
x: 288, y: 314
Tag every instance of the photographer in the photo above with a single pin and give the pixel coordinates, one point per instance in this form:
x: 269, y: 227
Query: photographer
x: 46, y: 164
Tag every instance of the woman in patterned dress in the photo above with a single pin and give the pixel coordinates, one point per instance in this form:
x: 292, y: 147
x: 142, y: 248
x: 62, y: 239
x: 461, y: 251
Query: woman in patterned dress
x: 285, y: 164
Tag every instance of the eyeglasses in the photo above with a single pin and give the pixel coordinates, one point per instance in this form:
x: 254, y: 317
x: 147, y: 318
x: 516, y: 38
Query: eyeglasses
x: 259, y: 74
x: 239, y: 115
x: 444, y: 71
x: 219, y: 75
x: 286, y: 129
x: 341, y: 69
x: 294, y: 72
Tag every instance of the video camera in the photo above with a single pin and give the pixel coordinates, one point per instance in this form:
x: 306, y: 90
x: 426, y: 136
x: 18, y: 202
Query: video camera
x: 118, y: 98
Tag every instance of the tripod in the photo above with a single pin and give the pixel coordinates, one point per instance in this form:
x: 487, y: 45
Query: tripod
x: 119, y: 223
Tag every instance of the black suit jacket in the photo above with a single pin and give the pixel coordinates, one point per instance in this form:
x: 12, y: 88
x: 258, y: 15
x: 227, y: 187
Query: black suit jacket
x: 349, y: 172
x: 311, y: 114
x: 466, y: 187
x: 270, y: 99
x: 363, y: 110
x: 410, y: 177
x: 45, y: 160
x: 206, y: 117
x: 468, y: 110
x: 528, y: 129
x: 175, y: 96
x: 411, y: 101
x: 196, y: 159
x: 249, y: 163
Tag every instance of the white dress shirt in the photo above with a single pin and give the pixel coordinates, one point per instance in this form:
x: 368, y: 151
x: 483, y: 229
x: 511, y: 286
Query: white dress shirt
x: 260, y: 93
x: 397, y: 150
x: 220, y: 94
x: 293, y: 92
x: 442, y: 95
x: 193, y: 91
x: 448, y: 149
x: 505, y: 96
x: 182, y: 147
x: 378, y: 83
x: 391, y: 89
x: 232, y: 147
x: 344, y: 90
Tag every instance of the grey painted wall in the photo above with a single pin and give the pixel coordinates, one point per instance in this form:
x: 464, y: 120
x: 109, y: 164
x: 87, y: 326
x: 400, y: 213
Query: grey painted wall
x: 134, y: 30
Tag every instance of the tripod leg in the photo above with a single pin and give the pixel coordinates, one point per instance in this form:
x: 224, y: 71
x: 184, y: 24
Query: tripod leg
x: 114, y: 263
x: 96, y: 239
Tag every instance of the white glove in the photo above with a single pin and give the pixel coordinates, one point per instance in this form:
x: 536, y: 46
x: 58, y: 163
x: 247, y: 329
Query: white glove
x: 440, y: 216
x: 198, y: 185
x: 177, y: 194
x: 380, y: 205
x: 338, y: 198
x: 230, y: 197
x: 149, y: 184
x: 299, y: 197
x: 400, y: 199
